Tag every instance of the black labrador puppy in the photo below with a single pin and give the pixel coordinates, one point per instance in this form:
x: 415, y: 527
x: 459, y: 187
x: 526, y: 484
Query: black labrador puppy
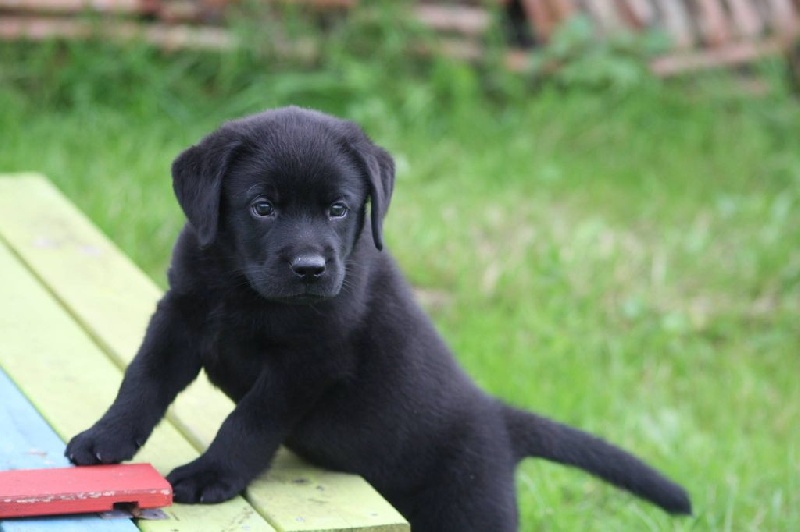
x: 280, y: 292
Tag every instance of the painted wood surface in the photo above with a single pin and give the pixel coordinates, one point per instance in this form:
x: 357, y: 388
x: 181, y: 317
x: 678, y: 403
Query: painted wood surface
x: 28, y: 442
x: 112, y: 300
x: 81, y: 490
x: 304, y: 498
x: 71, y: 382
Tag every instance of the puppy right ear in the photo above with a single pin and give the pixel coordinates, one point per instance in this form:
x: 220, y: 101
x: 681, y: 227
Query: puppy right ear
x: 197, y: 181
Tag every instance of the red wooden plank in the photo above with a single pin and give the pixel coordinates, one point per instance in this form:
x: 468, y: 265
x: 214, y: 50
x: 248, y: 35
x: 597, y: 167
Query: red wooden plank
x: 72, y: 490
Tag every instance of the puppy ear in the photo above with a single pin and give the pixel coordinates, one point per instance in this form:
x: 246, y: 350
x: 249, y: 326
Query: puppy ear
x: 197, y: 180
x: 380, y: 167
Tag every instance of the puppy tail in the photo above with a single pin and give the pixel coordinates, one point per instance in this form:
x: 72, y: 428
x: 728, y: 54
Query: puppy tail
x: 536, y: 436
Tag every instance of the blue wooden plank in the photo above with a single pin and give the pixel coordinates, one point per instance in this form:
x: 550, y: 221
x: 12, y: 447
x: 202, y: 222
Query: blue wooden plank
x: 28, y: 442
x: 78, y: 523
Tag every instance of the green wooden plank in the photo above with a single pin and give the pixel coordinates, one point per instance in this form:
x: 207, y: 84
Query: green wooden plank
x: 113, y: 301
x: 70, y: 381
x: 300, y: 497
x: 97, y: 283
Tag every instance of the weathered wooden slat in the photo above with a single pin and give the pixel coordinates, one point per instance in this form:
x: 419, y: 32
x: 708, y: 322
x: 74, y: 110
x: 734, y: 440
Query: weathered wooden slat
x: 562, y: 9
x: 461, y: 19
x: 713, y: 22
x: 746, y: 18
x: 82, y: 490
x: 605, y: 14
x: 637, y: 14
x: 339, y: 502
x: 540, y: 19
x: 730, y: 54
x: 106, y: 292
x: 71, y: 382
x: 169, y: 37
x: 113, y: 300
x: 78, y: 6
x: 28, y: 442
x: 77, y: 523
x: 784, y: 16
x: 676, y: 22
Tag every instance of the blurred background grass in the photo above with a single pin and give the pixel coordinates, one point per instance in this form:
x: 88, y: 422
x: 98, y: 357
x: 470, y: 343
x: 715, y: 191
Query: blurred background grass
x: 615, y: 251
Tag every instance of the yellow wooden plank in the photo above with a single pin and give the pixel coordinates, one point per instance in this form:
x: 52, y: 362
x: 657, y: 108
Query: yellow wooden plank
x: 102, y: 288
x: 80, y: 264
x: 71, y: 382
x: 304, y: 498
x: 113, y: 300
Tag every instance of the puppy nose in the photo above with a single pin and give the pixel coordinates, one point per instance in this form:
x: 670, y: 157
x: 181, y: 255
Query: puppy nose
x: 309, y: 267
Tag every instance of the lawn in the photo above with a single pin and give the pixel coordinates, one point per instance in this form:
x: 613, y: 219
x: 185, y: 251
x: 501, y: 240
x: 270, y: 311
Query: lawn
x: 627, y: 261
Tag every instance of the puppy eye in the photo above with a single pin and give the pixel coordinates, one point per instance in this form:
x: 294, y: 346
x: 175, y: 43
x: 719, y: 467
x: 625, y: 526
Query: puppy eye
x: 262, y: 207
x: 337, y: 210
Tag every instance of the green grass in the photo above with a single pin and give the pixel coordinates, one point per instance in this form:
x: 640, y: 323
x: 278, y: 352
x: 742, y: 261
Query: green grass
x: 627, y: 262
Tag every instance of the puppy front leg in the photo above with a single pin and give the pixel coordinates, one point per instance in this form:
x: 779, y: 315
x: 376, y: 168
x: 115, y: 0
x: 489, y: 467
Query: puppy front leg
x: 246, y: 442
x: 166, y: 363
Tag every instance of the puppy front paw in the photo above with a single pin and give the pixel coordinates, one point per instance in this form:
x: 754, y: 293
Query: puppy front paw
x: 201, y: 481
x: 103, y: 445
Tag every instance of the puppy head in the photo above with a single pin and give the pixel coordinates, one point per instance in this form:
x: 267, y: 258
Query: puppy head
x: 286, y: 192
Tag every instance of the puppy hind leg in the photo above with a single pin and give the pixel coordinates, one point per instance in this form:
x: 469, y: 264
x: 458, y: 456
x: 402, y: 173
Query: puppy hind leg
x: 469, y: 504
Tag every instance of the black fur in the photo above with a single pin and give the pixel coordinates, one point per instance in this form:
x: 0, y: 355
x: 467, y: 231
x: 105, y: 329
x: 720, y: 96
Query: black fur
x: 279, y: 291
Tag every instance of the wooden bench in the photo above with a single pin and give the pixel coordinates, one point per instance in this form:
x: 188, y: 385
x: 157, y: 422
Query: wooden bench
x: 74, y: 311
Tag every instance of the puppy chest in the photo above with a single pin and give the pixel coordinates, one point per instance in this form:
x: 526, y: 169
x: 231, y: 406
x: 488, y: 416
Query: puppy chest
x: 236, y: 355
x: 233, y: 360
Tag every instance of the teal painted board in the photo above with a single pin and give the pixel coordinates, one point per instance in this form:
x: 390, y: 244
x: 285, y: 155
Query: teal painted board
x: 28, y: 442
x: 81, y: 523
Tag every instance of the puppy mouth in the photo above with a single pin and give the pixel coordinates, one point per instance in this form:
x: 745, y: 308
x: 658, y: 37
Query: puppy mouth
x: 279, y: 288
x: 300, y: 295
x: 298, y: 299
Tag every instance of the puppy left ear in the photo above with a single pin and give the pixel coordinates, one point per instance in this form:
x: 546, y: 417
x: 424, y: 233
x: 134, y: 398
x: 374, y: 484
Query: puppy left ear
x: 380, y: 166
x: 197, y: 180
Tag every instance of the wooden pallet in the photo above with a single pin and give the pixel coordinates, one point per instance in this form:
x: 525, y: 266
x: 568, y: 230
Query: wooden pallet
x: 703, y: 33
x: 161, y: 10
